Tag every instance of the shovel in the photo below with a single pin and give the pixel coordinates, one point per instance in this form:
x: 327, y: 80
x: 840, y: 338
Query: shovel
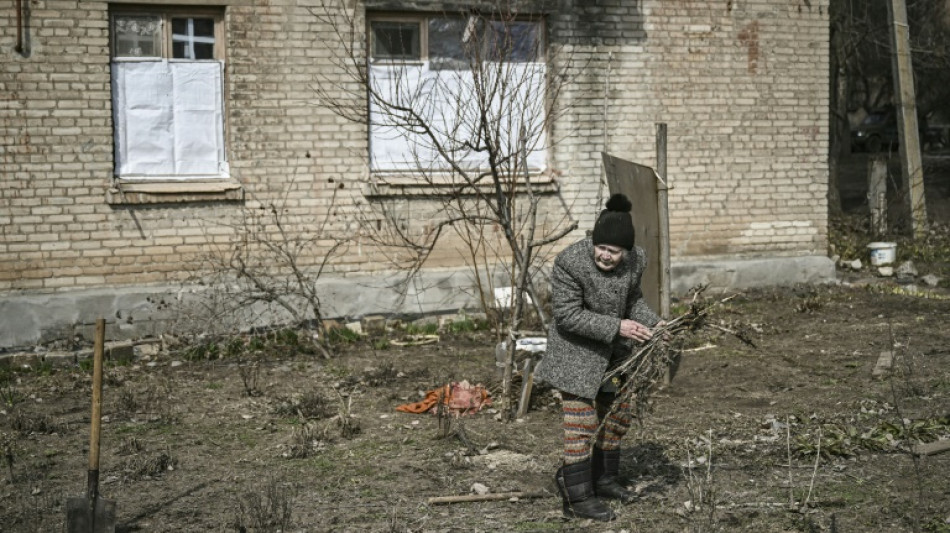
x: 91, y: 513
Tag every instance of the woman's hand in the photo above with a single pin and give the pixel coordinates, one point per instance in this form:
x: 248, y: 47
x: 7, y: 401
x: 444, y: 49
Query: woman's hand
x: 631, y: 329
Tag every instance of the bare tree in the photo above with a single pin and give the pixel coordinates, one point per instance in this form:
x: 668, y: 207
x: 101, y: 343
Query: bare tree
x: 267, y: 274
x: 462, y: 105
x: 862, y: 75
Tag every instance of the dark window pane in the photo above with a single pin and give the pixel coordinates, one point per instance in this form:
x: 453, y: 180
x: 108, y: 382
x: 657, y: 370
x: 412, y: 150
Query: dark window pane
x: 517, y: 42
x: 395, y: 40
x: 445, y: 38
x: 193, y: 38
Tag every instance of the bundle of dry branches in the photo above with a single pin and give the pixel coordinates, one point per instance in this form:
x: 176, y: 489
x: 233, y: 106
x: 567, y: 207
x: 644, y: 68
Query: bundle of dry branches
x: 651, y: 361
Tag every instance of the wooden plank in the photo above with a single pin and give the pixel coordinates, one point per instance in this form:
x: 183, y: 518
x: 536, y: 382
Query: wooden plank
x: 639, y: 183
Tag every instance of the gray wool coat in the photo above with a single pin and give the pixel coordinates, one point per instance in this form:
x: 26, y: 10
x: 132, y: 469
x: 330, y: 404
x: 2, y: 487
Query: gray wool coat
x: 587, y: 306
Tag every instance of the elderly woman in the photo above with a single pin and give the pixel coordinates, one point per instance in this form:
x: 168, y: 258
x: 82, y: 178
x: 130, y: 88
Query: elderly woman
x: 599, y: 315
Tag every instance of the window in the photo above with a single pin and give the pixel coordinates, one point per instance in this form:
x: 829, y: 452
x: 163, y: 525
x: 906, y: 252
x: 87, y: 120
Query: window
x: 438, y: 67
x: 167, y: 92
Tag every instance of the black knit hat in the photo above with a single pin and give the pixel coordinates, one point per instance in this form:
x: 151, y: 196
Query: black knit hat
x: 614, y: 226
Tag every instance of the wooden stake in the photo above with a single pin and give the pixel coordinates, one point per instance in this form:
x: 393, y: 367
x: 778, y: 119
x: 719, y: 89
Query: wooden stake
x: 527, y: 380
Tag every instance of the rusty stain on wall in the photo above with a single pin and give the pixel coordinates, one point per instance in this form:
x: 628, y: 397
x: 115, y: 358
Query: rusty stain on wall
x: 749, y: 37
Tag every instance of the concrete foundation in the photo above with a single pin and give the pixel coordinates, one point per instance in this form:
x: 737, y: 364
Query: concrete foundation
x: 29, y: 319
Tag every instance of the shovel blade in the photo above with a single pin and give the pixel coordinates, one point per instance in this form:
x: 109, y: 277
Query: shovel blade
x: 90, y: 516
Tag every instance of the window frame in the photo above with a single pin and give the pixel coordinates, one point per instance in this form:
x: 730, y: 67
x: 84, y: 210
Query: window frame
x: 183, y: 188
x: 418, y: 20
x: 386, y: 182
x: 422, y: 19
x: 167, y: 13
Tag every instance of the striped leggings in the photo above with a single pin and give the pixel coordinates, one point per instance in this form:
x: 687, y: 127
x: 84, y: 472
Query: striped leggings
x: 582, y: 418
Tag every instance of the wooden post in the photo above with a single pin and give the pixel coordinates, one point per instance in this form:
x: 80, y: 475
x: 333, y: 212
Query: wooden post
x: 664, y: 230
x: 911, y: 167
x: 664, y: 220
x: 877, y: 193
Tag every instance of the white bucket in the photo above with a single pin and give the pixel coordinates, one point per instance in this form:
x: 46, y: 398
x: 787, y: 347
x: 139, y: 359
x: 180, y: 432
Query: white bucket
x: 883, y: 253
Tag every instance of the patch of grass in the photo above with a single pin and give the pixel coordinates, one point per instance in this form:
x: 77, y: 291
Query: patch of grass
x: 25, y: 424
x: 9, y: 395
x: 849, y: 494
x: 466, y: 325
x: 44, y: 368
x: 247, y: 439
x: 336, y: 371
x: 381, y: 344
x: 422, y: 329
x: 235, y: 347
x: 937, y: 524
x: 207, y: 351
x: 342, y: 336
x: 149, y: 466
x: 322, y: 464
x: 537, y: 526
x: 131, y: 429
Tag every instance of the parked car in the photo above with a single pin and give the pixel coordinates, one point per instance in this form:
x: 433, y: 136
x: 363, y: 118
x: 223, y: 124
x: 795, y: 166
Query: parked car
x: 878, y: 131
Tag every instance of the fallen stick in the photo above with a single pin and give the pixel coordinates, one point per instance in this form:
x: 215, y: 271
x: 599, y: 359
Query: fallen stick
x: 490, y: 497
x: 931, y: 448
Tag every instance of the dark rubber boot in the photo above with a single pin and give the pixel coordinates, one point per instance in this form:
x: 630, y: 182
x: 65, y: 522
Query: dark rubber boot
x: 577, y: 490
x: 606, y: 466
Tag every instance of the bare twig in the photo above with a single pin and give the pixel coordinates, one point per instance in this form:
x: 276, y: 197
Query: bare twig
x: 648, y: 364
x: 491, y: 497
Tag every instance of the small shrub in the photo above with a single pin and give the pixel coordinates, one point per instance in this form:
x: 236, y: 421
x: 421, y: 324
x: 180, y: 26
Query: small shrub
x: 27, y: 424
x: 149, y: 467
x: 250, y: 375
x: 131, y: 446
x: 266, y: 511
x: 311, y: 405
x: 304, y: 442
x: 235, y: 347
x: 465, y: 325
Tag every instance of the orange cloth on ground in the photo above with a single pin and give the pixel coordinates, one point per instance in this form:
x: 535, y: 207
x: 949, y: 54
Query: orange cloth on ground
x: 458, y: 398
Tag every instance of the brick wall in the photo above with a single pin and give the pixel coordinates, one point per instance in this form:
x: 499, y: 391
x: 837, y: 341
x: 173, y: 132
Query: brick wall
x: 743, y: 87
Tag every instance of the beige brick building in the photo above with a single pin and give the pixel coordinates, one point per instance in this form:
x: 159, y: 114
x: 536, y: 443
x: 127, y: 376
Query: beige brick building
x: 110, y: 195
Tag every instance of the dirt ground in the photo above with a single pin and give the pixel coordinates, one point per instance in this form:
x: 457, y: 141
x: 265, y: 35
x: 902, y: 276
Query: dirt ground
x: 795, y: 433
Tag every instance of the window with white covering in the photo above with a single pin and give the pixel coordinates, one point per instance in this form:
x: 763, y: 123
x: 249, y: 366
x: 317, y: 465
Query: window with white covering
x: 429, y: 104
x: 167, y: 93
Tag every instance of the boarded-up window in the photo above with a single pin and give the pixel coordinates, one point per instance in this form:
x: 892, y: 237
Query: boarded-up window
x: 167, y: 89
x: 435, y: 66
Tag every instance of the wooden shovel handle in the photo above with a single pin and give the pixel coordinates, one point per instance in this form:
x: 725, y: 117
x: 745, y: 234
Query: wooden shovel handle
x: 97, y: 354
